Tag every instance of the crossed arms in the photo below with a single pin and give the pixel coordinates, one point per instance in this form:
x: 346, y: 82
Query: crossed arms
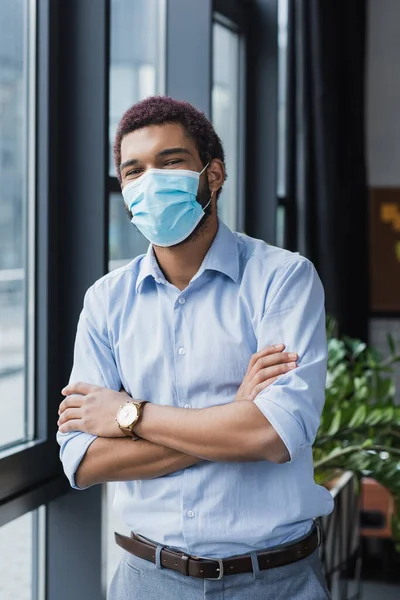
x: 272, y: 422
x: 174, y: 438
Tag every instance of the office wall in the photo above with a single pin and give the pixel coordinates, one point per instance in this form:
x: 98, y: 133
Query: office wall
x: 383, y: 122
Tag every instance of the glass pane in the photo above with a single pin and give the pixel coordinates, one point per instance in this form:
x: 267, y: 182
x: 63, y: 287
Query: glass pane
x: 280, y: 226
x: 19, y: 558
x: 125, y: 240
x: 16, y: 120
x: 225, y: 114
x: 136, y: 45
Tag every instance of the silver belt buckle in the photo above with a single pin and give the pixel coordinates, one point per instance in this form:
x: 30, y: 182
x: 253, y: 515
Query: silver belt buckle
x: 221, y: 570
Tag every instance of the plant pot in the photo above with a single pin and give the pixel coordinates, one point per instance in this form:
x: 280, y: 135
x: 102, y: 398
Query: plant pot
x: 377, y: 507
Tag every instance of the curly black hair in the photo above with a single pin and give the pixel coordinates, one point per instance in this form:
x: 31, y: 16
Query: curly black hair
x: 158, y: 110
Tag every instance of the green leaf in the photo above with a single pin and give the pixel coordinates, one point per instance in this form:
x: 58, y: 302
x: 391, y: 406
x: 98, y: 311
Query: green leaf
x: 356, y: 347
x: 388, y: 413
x: 391, y: 343
x: 358, y: 417
x: 335, y: 424
x: 375, y: 416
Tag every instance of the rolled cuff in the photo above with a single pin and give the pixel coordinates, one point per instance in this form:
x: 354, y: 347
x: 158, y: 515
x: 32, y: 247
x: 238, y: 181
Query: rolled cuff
x: 74, y: 446
x: 286, y: 426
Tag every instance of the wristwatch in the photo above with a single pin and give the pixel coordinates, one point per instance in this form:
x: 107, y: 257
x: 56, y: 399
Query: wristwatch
x: 128, y: 416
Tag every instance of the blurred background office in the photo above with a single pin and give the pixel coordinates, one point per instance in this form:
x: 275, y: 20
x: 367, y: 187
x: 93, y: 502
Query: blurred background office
x: 305, y: 96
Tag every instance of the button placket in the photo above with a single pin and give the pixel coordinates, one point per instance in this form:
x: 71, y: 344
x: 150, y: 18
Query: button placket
x: 190, y: 514
x: 182, y: 347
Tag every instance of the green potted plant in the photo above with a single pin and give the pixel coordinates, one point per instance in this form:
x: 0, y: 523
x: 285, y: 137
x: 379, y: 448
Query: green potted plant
x: 360, y: 425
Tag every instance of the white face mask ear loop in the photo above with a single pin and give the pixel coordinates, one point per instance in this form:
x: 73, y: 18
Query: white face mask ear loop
x: 207, y: 205
x: 209, y: 202
x: 201, y: 172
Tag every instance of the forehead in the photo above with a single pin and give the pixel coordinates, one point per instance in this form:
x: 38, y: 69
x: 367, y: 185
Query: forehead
x: 147, y: 142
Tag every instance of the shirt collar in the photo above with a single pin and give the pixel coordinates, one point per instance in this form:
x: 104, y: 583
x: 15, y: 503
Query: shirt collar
x: 149, y: 268
x: 223, y: 256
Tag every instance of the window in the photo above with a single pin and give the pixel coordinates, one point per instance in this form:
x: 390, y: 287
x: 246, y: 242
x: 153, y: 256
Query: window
x: 136, y: 72
x: 21, y: 566
x: 226, y: 115
x: 17, y: 60
x: 28, y: 450
x: 136, y: 46
x: 125, y: 240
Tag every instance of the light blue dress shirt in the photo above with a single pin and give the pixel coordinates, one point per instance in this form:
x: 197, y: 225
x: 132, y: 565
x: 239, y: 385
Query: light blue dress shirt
x: 191, y: 349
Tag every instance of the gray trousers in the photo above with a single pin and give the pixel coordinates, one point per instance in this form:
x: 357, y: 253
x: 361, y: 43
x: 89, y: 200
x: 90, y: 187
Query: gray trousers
x: 138, y: 579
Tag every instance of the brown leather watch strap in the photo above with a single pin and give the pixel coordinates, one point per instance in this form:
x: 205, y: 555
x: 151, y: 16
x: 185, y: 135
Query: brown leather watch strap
x: 216, y: 569
x: 134, y: 435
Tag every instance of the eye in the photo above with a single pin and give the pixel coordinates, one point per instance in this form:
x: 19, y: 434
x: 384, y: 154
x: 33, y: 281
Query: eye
x: 174, y: 161
x: 134, y: 173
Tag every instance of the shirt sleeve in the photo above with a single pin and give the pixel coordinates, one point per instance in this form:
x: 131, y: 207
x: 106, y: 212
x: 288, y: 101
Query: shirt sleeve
x: 295, y: 316
x: 93, y: 363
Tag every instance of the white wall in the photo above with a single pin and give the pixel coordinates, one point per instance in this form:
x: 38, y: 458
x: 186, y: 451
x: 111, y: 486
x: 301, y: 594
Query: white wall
x: 383, y: 93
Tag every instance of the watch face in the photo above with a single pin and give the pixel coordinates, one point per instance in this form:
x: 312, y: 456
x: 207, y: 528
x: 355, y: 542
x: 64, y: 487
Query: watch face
x: 127, y: 415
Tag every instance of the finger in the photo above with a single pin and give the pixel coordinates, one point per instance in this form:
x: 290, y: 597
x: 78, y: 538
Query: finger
x: 264, y: 352
x: 79, y: 388
x: 274, y: 371
x: 73, y: 425
x: 259, y: 388
x: 277, y: 358
x: 69, y: 414
x: 73, y: 401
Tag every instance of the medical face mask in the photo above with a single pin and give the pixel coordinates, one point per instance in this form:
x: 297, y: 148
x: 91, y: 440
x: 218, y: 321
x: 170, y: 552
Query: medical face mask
x: 164, y: 206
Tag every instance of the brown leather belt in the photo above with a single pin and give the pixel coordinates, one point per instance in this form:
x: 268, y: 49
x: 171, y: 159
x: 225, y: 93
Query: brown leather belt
x: 205, y: 568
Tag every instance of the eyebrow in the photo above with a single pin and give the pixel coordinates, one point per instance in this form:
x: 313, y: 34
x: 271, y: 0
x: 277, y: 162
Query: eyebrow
x: 166, y: 152
x: 169, y: 151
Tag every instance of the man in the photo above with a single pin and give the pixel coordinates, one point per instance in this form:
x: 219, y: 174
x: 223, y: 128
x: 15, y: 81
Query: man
x: 220, y: 498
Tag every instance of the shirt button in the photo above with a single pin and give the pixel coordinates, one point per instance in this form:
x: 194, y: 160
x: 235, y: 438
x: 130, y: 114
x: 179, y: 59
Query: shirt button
x: 187, y: 406
x: 181, y: 300
x: 190, y: 514
x: 182, y: 351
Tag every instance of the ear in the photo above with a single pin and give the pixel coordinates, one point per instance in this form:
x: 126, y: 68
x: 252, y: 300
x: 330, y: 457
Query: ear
x: 216, y: 175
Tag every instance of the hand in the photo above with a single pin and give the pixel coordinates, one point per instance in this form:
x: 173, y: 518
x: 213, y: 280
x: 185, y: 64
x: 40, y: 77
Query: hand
x: 91, y: 409
x: 264, y: 368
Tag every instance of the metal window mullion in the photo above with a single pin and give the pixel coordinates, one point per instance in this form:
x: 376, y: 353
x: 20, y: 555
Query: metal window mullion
x: 241, y: 197
x: 30, y: 275
x: 162, y: 48
x: 79, y: 241
x: 261, y: 123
